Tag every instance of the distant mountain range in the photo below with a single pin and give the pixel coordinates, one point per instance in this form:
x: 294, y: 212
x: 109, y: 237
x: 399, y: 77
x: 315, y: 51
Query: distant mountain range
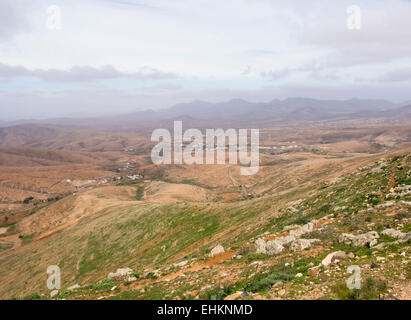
x: 238, y: 112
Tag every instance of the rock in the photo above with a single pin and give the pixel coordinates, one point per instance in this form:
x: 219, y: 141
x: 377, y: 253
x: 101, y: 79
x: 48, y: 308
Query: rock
x: 217, y: 250
x: 74, y: 287
x: 131, y: 279
x: 302, y: 244
x: 314, y: 271
x: 373, y: 243
x: 260, y: 246
x: 307, y: 228
x: 379, y: 246
x: 350, y: 255
x: 273, y: 247
x: 360, y: 240
x: 385, y: 204
x: 397, y: 234
x: 234, y: 296
x: 278, y: 284
x: 120, y: 274
x: 181, y: 264
x: 337, y: 255
x: 269, y: 247
x: 54, y: 293
x: 281, y: 292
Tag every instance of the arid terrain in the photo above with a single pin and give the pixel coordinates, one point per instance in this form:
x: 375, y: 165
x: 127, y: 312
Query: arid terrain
x: 89, y: 200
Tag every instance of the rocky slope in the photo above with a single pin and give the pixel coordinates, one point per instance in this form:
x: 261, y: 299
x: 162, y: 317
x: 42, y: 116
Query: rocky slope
x: 295, y: 245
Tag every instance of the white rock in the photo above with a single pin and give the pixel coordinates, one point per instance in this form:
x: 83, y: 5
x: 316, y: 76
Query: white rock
x: 216, y: 250
x: 54, y: 293
x: 181, y: 264
x: 396, y: 234
x: 120, y: 273
x: 360, y: 240
x: 302, y: 244
x: 131, y: 279
x: 337, y: 255
x: 76, y: 286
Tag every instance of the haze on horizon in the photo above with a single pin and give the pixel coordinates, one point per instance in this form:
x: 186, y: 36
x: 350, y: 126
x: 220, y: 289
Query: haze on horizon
x: 119, y: 56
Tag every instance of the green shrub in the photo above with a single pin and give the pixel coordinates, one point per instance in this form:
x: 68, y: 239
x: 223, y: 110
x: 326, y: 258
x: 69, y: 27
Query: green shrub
x: 139, y: 192
x: 262, y: 284
x: 370, y: 289
x: 104, y: 284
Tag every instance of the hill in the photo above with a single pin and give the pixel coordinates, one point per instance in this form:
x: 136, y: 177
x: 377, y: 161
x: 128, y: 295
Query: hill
x: 276, y: 246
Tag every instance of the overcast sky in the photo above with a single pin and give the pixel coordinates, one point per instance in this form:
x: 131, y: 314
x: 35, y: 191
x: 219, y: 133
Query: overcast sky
x: 117, y: 56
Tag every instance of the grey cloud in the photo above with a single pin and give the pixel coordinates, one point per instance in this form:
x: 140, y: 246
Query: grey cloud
x: 277, y: 74
x: 13, y: 19
x: 397, y: 75
x: 162, y: 87
x: 81, y: 73
x: 384, y: 35
x: 313, y: 71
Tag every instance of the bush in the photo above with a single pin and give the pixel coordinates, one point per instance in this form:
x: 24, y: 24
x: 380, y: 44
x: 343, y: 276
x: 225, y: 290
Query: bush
x: 104, y: 284
x: 262, y: 284
x: 219, y: 293
x: 139, y: 192
x: 370, y: 289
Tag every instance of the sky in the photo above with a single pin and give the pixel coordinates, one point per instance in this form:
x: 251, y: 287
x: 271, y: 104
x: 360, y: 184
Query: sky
x: 66, y: 58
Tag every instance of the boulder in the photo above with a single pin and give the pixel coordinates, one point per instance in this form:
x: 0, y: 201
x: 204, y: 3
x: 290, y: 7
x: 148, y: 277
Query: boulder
x: 337, y: 255
x: 269, y: 247
x: 131, y: 279
x: 76, y: 286
x: 216, y: 250
x: 307, y: 228
x: 360, y: 240
x: 181, y: 264
x: 302, y: 244
x: 120, y: 273
x: 54, y: 293
x: 397, y: 234
x: 285, y: 240
x: 273, y: 247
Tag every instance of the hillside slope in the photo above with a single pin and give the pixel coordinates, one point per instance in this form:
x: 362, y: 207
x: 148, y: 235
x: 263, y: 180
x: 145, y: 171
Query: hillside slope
x: 273, y: 246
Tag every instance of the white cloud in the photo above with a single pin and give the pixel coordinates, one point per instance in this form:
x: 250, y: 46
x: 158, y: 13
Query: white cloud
x: 210, y: 44
x: 81, y: 73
